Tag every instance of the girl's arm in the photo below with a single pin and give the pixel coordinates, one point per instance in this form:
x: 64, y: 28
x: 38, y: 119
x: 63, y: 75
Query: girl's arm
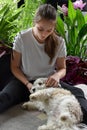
x: 16, y: 68
x: 61, y: 67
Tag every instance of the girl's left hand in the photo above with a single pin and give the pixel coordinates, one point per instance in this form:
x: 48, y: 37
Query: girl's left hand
x: 52, y: 81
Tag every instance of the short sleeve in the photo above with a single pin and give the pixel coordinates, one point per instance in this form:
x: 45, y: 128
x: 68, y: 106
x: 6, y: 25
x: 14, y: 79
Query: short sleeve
x: 17, y: 44
x: 61, y: 52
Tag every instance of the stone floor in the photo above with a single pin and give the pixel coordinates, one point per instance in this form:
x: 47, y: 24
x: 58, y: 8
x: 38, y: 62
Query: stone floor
x: 18, y: 119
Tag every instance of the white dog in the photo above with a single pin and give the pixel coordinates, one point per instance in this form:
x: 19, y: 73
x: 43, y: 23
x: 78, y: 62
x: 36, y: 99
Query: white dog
x: 62, y: 108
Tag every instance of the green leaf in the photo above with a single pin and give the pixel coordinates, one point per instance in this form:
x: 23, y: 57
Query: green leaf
x: 82, y: 32
x: 60, y: 27
x: 71, y: 11
x: 14, y: 16
x: 8, y: 23
x: 80, y: 19
x: 3, y: 9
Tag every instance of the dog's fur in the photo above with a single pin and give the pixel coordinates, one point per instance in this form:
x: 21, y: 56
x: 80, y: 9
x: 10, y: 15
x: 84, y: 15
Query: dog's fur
x: 62, y: 108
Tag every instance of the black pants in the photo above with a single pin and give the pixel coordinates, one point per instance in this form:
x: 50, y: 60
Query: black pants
x: 16, y: 92
x: 13, y: 93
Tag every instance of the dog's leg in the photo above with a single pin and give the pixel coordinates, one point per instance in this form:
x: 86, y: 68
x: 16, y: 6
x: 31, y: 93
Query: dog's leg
x: 38, y: 96
x: 29, y: 106
x: 42, y: 95
x: 47, y: 127
x: 43, y: 127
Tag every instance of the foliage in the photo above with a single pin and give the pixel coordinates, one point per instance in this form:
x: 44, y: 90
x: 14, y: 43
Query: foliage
x: 29, y: 8
x: 73, y: 28
x: 13, y: 19
x: 5, y: 1
x: 8, y: 23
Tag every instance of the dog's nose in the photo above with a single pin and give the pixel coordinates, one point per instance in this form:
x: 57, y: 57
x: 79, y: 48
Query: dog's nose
x: 33, y: 89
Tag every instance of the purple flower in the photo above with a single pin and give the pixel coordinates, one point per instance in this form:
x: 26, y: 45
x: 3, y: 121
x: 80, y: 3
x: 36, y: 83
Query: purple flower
x: 79, y: 4
x: 64, y: 9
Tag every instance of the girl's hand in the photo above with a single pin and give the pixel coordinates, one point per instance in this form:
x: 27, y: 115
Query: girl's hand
x: 29, y: 86
x: 52, y: 81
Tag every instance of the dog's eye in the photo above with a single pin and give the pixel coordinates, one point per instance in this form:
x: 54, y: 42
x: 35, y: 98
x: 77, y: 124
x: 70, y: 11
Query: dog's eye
x: 40, y: 83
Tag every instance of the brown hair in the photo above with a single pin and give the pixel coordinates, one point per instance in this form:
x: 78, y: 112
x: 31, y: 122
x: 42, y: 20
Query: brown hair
x: 48, y: 12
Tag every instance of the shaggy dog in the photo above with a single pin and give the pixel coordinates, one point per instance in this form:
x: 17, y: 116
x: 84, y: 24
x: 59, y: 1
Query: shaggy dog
x: 62, y: 108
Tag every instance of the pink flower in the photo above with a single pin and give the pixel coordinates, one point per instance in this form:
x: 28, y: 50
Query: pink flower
x: 64, y: 9
x: 79, y: 4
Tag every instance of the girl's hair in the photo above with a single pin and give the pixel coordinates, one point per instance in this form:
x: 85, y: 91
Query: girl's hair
x: 48, y: 12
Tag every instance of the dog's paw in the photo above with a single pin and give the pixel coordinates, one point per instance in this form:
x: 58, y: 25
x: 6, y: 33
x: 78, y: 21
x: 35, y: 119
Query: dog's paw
x: 47, y: 127
x: 33, y: 97
x: 43, y: 127
x: 25, y: 106
x: 29, y: 106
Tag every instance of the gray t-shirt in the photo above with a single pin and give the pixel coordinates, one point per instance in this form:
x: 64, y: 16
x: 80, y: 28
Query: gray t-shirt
x: 35, y: 62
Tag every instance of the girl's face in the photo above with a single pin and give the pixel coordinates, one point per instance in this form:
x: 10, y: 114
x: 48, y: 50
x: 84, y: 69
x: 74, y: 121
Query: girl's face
x: 43, y: 29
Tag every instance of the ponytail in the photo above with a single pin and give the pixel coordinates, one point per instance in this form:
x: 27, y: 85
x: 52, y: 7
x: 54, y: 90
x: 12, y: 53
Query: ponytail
x: 51, y: 46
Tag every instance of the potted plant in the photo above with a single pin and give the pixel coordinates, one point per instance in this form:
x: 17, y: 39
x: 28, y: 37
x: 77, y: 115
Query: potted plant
x: 73, y: 28
x: 8, y: 26
x: 13, y: 20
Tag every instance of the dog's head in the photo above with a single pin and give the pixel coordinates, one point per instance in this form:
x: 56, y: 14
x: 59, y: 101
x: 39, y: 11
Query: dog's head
x: 38, y: 85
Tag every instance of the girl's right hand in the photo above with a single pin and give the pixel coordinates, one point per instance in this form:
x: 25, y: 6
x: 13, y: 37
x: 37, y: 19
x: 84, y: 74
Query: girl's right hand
x: 29, y: 86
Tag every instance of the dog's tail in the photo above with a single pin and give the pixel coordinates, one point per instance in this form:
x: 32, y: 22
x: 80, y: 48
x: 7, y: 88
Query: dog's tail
x: 65, y: 119
x: 65, y: 116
